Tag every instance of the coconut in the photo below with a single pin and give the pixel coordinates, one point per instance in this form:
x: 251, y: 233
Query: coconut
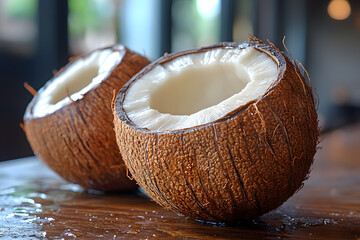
x: 220, y: 133
x: 69, y: 124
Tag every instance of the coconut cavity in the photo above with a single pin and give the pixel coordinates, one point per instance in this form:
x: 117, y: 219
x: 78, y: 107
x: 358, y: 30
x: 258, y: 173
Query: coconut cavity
x: 199, y: 88
x: 77, y: 79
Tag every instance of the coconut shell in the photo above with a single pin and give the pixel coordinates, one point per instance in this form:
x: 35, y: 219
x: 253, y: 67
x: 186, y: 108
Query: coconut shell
x: 237, y: 167
x: 78, y: 141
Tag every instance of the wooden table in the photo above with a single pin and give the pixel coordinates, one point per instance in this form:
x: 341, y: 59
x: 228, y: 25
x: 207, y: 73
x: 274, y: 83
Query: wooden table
x: 37, y: 204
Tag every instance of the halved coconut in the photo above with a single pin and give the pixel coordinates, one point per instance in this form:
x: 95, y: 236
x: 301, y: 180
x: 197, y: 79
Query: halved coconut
x: 69, y: 121
x: 221, y: 133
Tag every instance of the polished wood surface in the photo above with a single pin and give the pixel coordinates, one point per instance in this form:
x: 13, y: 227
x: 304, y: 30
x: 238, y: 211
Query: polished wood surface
x: 37, y: 204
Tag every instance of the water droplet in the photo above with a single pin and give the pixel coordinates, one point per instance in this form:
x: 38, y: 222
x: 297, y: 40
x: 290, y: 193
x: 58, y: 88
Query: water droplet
x: 37, y: 195
x: 7, y: 191
x: 68, y: 234
x: 71, y: 187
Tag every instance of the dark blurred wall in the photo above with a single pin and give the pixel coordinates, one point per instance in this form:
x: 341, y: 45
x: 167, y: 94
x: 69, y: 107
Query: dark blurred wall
x: 333, y: 62
x: 46, y: 53
x: 14, y: 70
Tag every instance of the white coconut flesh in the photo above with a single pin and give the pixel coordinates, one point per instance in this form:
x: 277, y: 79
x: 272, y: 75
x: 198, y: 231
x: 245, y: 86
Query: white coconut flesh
x: 81, y: 76
x: 199, y: 88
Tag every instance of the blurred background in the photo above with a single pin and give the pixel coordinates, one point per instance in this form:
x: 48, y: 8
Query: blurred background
x: 38, y: 36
